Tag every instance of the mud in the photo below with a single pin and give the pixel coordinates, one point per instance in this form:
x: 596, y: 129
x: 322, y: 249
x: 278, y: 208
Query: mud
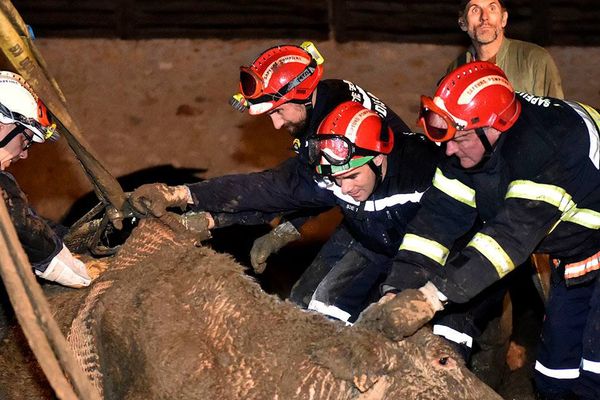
x: 171, y: 320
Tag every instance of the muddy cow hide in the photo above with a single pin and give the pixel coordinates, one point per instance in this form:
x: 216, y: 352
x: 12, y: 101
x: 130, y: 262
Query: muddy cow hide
x: 170, y: 320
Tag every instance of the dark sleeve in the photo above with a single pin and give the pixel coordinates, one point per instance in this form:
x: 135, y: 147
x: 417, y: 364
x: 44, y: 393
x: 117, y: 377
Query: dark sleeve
x: 40, y: 242
x: 243, y: 218
x: 531, y: 209
x: 447, y: 213
x: 286, y: 188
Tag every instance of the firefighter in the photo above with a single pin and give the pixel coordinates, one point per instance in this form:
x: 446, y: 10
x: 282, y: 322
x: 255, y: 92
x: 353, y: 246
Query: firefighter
x: 527, y: 166
x: 375, y: 175
x: 23, y: 121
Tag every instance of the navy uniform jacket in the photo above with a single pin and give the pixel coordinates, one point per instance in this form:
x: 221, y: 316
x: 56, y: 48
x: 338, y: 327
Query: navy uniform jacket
x: 378, y: 224
x: 540, y: 190
x: 40, y: 242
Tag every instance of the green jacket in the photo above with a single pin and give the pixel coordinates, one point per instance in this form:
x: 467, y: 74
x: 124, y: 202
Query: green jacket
x: 529, y: 67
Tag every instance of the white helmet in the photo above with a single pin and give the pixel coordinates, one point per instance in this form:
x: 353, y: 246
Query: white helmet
x: 20, y: 105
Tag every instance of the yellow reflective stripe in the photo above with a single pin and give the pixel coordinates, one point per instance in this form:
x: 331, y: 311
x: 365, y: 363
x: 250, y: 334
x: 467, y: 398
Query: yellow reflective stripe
x: 454, y: 188
x: 557, y: 197
x: 429, y: 248
x: 550, y: 194
x: 584, y: 217
x: 491, y: 250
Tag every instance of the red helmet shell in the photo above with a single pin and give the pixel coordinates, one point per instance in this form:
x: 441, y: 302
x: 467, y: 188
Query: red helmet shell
x: 361, y: 126
x: 478, y: 94
x: 278, y: 66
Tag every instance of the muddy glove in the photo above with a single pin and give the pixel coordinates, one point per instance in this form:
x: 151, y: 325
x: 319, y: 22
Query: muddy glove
x: 66, y: 270
x: 270, y: 243
x: 199, y: 223
x: 155, y: 198
x: 402, y: 315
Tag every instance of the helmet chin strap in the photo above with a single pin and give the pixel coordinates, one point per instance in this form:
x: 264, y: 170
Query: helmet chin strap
x: 377, y: 169
x: 487, y: 146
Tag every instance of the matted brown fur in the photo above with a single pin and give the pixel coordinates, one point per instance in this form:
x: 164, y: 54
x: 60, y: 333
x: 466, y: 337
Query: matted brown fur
x: 188, y: 323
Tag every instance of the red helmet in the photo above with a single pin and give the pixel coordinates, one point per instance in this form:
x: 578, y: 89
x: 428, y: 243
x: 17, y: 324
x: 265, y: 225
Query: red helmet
x: 279, y: 75
x: 350, y: 136
x: 475, y: 95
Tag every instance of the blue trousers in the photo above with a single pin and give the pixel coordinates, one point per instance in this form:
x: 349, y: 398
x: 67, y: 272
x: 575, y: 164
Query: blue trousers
x: 568, y: 361
x: 343, y: 279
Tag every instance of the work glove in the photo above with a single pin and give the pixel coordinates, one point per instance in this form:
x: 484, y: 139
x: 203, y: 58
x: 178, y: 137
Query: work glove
x: 198, y: 223
x: 270, y: 243
x: 66, y: 270
x: 155, y: 198
x: 401, y: 315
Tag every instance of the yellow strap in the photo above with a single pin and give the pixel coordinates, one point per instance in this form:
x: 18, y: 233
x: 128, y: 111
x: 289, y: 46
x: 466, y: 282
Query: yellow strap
x: 429, y: 248
x: 495, y: 254
x: 454, y: 188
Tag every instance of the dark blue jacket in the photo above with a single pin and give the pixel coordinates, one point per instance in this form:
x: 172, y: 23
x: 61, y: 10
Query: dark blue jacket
x: 378, y: 223
x: 40, y: 242
x: 540, y: 190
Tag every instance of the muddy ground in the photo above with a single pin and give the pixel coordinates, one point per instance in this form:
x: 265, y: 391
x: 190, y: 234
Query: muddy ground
x: 157, y: 110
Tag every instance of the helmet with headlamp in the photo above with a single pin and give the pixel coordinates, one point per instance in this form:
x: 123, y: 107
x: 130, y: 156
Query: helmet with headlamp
x: 279, y: 75
x: 475, y: 95
x: 349, y: 137
x: 20, y: 105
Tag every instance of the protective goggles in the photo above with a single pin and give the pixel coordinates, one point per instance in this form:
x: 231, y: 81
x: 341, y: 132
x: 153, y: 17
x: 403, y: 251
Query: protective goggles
x: 44, y: 132
x: 438, y: 125
x: 252, y: 86
x: 335, y: 149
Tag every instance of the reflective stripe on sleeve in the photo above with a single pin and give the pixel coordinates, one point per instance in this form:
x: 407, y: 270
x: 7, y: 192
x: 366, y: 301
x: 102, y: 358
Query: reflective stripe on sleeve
x: 557, y: 197
x: 454, y: 188
x: 495, y: 254
x: 567, y: 373
x: 590, y: 366
x: 453, y: 335
x: 582, y: 216
x: 550, y: 194
x: 429, y: 248
x: 329, y: 310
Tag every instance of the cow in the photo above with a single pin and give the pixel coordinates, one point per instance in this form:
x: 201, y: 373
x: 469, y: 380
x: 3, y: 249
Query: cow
x: 168, y: 318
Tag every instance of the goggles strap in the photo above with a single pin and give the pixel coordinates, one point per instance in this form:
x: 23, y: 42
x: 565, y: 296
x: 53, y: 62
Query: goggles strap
x: 18, y: 129
x: 6, y: 112
x: 308, y: 71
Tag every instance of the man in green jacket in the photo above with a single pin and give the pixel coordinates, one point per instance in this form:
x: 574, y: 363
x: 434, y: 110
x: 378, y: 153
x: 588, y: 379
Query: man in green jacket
x: 529, y: 67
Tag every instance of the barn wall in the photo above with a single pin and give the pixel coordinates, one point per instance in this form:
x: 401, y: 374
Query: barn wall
x: 546, y: 22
